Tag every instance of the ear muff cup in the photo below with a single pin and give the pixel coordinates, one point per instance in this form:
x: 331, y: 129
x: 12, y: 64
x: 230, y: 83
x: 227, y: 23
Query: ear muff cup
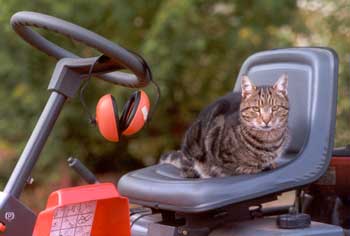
x: 107, y: 118
x: 135, y: 113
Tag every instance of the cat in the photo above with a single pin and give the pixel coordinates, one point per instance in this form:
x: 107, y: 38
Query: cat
x: 240, y: 133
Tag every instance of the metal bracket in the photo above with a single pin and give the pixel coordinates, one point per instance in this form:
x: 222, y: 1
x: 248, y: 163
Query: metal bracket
x: 69, y: 73
x: 18, y: 218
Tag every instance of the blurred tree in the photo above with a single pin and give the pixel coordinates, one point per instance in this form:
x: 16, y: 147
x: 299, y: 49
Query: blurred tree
x: 334, y: 19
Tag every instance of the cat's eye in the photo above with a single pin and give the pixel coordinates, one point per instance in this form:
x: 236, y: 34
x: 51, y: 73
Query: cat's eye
x: 275, y: 108
x: 257, y: 109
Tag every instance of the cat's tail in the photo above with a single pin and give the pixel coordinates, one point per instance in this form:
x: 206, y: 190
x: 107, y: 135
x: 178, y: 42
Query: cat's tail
x: 174, y: 158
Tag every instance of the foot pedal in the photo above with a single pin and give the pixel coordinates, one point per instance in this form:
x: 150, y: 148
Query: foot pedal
x: 293, y: 221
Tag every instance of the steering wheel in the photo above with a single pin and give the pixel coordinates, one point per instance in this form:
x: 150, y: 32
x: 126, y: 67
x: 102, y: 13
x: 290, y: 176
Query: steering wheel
x: 23, y: 21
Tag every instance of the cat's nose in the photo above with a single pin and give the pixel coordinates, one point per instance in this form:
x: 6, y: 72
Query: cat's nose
x: 266, y: 119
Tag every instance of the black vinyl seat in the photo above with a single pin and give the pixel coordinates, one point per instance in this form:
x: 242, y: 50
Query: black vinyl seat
x: 312, y: 89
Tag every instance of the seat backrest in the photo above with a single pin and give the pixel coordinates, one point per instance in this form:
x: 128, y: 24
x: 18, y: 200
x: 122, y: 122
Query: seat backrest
x: 308, y: 71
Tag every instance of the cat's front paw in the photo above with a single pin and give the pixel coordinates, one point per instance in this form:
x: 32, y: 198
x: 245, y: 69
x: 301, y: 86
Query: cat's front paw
x: 247, y: 170
x: 269, y: 166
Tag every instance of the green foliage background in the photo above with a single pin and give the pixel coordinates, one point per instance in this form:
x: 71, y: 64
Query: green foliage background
x: 195, y: 49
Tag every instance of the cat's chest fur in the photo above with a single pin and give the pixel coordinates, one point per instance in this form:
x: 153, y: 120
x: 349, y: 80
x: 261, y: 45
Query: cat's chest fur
x: 232, y: 148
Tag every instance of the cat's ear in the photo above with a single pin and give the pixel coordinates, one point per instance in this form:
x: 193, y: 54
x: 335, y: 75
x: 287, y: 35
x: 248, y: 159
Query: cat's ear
x: 281, y: 84
x: 247, y: 87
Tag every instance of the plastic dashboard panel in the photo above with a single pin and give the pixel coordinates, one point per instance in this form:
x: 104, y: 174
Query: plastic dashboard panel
x: 312, y: 89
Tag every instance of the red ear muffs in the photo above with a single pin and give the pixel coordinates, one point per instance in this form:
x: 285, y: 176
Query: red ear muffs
x: 133, y: 118
x: 107, y: 118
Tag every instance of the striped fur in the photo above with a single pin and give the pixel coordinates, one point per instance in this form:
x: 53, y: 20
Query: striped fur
x: 240, y: 133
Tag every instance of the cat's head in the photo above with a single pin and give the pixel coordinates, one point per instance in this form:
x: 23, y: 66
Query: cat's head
x: 266, y: 107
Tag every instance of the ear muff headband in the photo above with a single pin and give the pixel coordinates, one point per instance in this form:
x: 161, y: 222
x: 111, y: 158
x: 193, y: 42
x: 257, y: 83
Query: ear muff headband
x: 107, y: 118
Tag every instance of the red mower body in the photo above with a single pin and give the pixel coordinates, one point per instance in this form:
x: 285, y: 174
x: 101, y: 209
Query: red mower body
x: 336, y: 181
x: 96, y: 209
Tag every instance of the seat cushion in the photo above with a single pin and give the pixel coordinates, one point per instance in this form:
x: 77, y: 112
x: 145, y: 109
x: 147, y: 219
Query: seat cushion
x: 162, y: 187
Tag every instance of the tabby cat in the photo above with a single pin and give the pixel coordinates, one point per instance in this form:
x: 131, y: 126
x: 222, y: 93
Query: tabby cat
x: 240, y: 133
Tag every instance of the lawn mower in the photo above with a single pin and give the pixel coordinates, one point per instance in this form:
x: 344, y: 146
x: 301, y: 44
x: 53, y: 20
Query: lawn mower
x: 170, y: 205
